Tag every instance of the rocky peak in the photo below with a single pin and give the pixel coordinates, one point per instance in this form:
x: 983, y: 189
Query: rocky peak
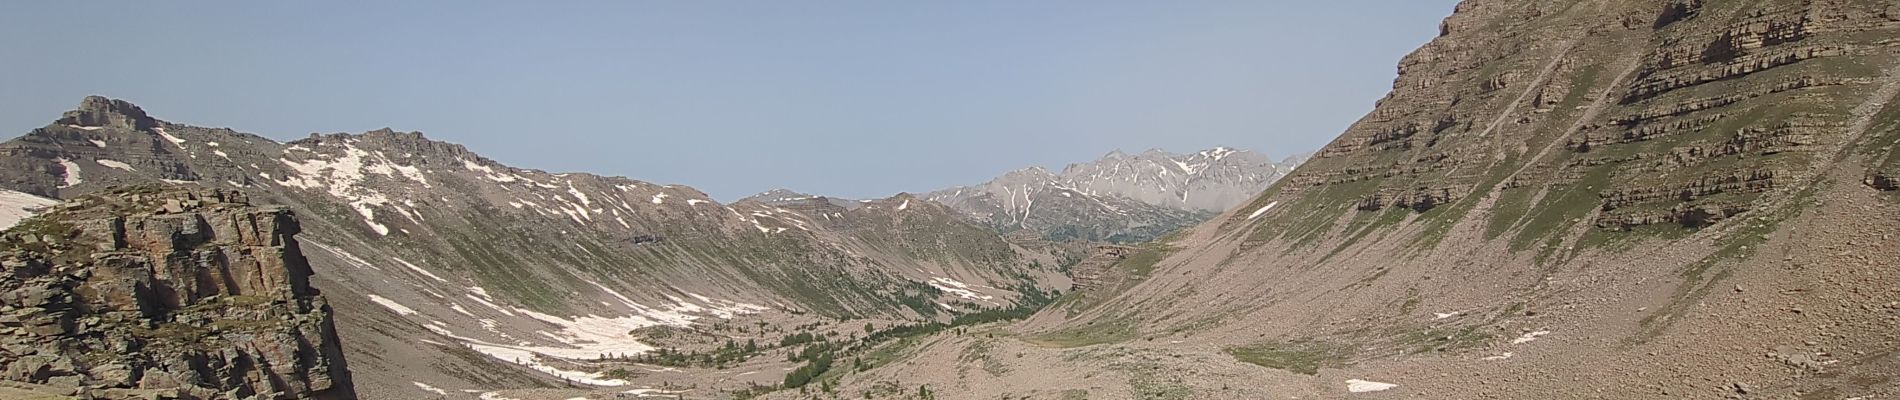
x: 1120, y: 196
x: 1031, y: 175
x: 97, y: 111
x: 164, y: 292
x: 777, y: 196
x: 800, y: 201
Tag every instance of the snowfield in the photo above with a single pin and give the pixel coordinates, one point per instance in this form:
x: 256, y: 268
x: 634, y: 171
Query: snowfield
x: 16, y: 206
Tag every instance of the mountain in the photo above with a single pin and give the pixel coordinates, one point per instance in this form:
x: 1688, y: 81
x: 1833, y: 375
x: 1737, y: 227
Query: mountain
x: 452, y: 272
x: 1118, y: 198
x: 1599, y: 199
x: 778, y: 197
x: 1209, y: 180
x: 148, y: 292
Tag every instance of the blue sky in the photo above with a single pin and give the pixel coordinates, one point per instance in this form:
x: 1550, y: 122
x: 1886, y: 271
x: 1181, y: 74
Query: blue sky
x: 846, y: 98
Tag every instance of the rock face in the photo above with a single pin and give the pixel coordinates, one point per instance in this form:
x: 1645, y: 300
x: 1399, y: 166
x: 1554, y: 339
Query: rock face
x: 1212, y: 180
x: 154, y: 292
x: 1093, y: 270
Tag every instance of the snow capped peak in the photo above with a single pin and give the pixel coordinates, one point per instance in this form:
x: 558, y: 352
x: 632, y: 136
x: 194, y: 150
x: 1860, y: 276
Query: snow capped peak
x: 1218, y: 153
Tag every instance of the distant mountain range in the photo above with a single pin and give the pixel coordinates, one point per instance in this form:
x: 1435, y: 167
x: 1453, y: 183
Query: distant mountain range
x: 1120, y: 197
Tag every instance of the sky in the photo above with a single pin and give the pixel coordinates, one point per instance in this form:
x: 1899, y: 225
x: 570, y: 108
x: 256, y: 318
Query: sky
x: 836, y: 97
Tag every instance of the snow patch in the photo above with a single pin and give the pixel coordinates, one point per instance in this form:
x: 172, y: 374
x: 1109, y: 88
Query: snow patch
x: 1504, y: 356
x: 527, y: 356
x: 16, y: 206
x: 958, y: 288
x: 1529, y: 336
x: 578, y: 195
x: 586, y: 337
x: 659, y: 198
x: 168, y: 136
x: 480, y: 295
x: 1362, y: 386
x: 496, y: 396
x: 431, y: 389
x: 115, y: 164
x: 97, y: 142
x: 651, y: 392
x: 346, y: 256
x: 419, y: 270
x: 392, y: 305
x: 342, y: 177
x: 901, y: 207
x: 1262, y: 210
x: 72, y: 172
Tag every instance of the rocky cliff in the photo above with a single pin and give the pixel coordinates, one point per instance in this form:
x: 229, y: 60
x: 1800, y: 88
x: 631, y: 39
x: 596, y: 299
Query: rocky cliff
x: 155, y: 292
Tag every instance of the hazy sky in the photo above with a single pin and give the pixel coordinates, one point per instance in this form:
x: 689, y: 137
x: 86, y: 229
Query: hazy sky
x: 847, y: 98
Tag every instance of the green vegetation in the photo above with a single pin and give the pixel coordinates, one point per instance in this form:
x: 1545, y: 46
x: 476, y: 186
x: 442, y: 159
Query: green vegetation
x: 1305, y: 357
x: 802, y: 376
x: 1738, y: 244
x: 879, y: 346
x: 1096, y: 332
x: 1147, y: 387
x: 726, y: 355
x: 1446, y: 339
x: 1561, y: 209
x: 1365, y: 224
x: 35, y: 230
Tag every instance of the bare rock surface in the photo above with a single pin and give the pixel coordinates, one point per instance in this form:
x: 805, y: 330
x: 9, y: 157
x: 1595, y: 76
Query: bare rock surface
x: 155, y: 292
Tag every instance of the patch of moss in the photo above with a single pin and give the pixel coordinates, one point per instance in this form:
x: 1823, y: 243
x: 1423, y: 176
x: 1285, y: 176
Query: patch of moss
x: 1443, y: 339
x: 1304, y: 357
x: 1097, y: 332
x: 1562, y: 208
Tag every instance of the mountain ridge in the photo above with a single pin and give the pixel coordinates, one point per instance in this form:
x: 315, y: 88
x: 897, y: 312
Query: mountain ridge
x: 416, y: 238
x: 1119, y: 197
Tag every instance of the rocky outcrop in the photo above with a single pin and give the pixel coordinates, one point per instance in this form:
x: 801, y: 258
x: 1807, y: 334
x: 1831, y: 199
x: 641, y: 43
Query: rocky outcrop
x: 1094, y: 269
x: 96, y: 111
x: 156, y: 292
x: 1886, y: 181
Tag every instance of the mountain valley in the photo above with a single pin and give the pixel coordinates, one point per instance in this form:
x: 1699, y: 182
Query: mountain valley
x: 1615, y: 199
